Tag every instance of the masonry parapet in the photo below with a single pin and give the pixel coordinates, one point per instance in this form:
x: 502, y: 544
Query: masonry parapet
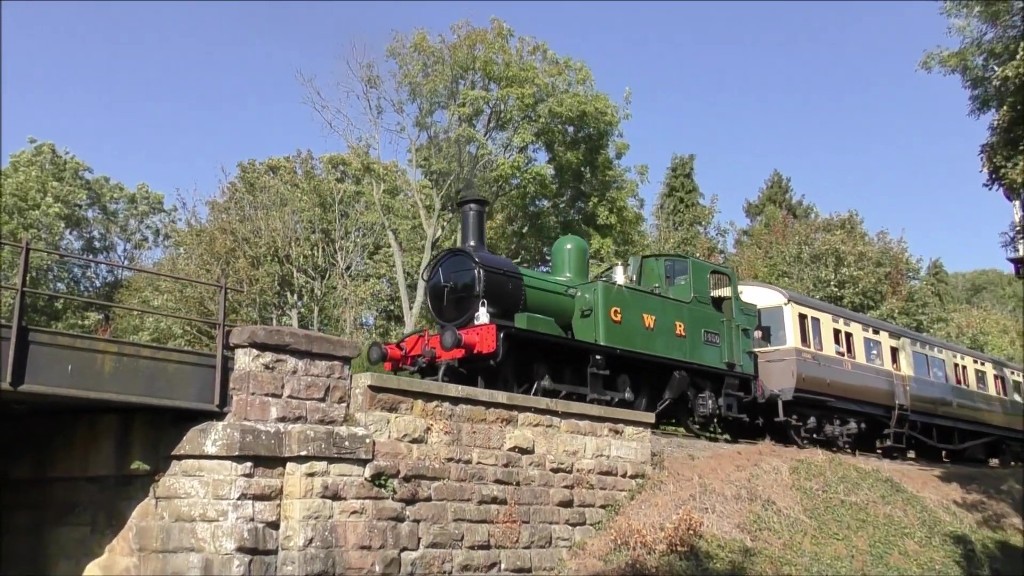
x: 315, y: 471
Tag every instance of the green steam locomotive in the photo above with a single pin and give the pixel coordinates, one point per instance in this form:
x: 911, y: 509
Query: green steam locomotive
x: 662, y: 333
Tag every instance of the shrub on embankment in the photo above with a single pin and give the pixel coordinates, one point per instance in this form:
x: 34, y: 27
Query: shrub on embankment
x: 770, y: 510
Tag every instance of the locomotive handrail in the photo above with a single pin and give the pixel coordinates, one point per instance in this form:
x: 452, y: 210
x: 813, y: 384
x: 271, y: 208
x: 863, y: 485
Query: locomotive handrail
x: 14, y: 371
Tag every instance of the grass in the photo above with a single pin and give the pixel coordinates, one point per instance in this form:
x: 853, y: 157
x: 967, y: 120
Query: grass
x: 811, y: 513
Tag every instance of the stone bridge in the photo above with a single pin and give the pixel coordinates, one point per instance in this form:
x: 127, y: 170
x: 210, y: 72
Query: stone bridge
x: 313, y: 471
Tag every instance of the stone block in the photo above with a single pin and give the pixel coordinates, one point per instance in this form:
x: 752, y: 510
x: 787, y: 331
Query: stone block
x: 429, y: 512
x: 535, y: 536
x: 327, y: 442
x: 176, y: 487
x: 266, y: 512
x: 519, y: 442
x: 545, y: 515
x: 485, y: 494
x: 594, y: 515
x: 327, y: 414
x: 367, y: 562
x: 472, y: 474
x: 546, y: 561
x: 530, y: 420
x: 409, y: 429
x: 423, y: 471
x: 267, y: 409
x: 231, y: 439
x: 481, y: 436
x: 475, y: 561
x: 481, y: 415
x: 582, y: 533
x: 387, y: 510
x: 204, y: 510
x: 296, y: 535
x: 305, y: 510
x: 311, y: 562
x: 573, y: 517
x: 411, y: 491
x: 562, y: 536
x: 287, y: 339
x: 494, y: 457
x: 209, y: 467
x: 457, y: 491
x: 237, y: 537
x: 427, y: 562
x: 475, y: 536
x: 352, y: 468
x: 339, y: 392
x: 381, y: 469
x: 440, y: 536
x: 262, y: 489
x: 263, y: 383
x: 351, y: 510
x: 515, y: 561
x: 306, y: 387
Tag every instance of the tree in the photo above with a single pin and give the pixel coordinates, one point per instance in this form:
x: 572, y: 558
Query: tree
x: 777, y: 191
x: 294, y: 232
x: 51, y: 197
x: 984, y: 329
x: 833, y: 258
x: 500, y: 113
x: 682, y: 222
x: 989, y: 61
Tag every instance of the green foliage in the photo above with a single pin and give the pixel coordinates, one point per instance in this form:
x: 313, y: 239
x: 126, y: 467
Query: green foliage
x: 683, y: 223
x: 989, y: 60
x: 484, y: 108
x: 835, y: 259
x: 777, y: 192
x: 51, y: 197
x: 295, y: 233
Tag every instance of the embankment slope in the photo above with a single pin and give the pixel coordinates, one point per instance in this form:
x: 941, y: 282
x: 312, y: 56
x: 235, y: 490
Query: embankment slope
x: 767, y: 509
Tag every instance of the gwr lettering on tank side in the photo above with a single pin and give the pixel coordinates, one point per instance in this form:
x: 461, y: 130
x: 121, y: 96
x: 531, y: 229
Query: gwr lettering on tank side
x: 615, y: 313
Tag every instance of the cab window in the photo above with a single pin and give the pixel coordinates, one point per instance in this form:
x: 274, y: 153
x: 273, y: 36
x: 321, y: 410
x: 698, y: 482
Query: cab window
x: 677, y: 272
x: 771, y: 327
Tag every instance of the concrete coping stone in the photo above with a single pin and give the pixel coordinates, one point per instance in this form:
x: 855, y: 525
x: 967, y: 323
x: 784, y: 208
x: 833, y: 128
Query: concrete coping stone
x: 290, y: 339
x: 517, y: 402
x: 275, y: 440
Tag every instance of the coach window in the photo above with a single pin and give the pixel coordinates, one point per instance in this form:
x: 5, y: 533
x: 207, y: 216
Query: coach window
x: 982, y: 382
x: 1000, y: 385
x: 1017, y: 385
x: 920, y: 365
x: 894, y: 358
x: 816, y: 333
x: 873, y: 349
x: 938, y: 366
x: 771, y: 328
x: 805, y: 329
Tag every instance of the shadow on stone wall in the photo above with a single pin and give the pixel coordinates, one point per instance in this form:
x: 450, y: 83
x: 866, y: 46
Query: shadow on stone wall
x: 68, y: 484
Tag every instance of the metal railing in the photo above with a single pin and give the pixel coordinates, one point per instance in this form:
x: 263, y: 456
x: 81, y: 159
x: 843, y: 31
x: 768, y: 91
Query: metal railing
x: 14, y: 371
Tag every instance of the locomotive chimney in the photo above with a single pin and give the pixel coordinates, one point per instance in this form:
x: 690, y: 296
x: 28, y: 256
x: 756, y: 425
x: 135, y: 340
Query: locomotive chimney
x: 474, y: 212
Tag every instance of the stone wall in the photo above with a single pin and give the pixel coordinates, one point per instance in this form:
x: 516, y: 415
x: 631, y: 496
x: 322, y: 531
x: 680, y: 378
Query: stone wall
x: 314, y: 472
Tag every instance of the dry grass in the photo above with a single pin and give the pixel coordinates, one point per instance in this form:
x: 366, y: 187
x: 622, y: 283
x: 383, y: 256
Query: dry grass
x: 766, y: 509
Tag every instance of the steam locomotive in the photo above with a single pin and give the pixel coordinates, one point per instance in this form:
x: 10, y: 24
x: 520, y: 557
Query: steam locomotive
x: 683, y: 338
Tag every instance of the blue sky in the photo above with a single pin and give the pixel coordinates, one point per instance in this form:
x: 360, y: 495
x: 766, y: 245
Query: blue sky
x: 829, y: 93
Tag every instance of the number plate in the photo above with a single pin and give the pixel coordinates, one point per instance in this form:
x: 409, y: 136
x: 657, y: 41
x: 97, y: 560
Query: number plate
x: 712, y: 338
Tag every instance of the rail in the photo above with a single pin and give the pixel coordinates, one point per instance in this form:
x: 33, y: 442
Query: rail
x: 14, y: 370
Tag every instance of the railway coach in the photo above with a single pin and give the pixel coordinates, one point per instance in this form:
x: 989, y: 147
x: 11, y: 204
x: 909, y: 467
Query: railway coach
x: 861, y: 383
